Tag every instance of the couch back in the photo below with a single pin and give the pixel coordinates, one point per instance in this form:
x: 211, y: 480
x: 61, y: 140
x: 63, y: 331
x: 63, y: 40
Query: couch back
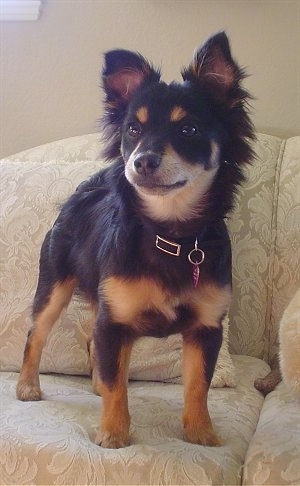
x: 264, y: 228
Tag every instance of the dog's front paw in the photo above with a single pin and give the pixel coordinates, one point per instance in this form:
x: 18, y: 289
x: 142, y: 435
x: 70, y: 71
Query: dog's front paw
x: 203, y: 436
x: 28, y: 392
x: 110, y: 440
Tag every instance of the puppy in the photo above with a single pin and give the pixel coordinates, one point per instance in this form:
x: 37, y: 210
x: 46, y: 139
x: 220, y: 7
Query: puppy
x: 144, y: 240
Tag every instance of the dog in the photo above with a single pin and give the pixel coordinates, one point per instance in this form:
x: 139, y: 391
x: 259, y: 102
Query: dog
x: 144, y: 240
x: 289, y: 345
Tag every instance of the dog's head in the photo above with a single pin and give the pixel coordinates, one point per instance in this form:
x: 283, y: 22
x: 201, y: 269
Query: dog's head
x: 178, y: 139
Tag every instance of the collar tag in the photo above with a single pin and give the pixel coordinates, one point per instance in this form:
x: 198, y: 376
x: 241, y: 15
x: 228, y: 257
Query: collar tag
x: 168, y: 246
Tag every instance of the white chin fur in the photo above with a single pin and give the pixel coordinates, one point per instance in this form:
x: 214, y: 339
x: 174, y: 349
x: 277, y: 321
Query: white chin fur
x: 179, y: 204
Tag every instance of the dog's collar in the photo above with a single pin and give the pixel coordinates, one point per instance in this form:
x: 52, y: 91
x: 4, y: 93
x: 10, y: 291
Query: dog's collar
x: 174, y: 247
x: 170, y: 247
x: 196, y: 255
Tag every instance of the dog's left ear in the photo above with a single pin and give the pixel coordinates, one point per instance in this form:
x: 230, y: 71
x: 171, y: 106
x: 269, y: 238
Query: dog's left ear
x: 213, y: 67
x: 124, y: 72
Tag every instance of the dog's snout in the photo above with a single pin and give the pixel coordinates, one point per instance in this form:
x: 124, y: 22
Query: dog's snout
x: 147, y: 163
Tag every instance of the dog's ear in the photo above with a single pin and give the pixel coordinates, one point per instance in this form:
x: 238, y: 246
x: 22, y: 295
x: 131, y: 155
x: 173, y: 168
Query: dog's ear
x: 124, y: 72
x: 213, y: 67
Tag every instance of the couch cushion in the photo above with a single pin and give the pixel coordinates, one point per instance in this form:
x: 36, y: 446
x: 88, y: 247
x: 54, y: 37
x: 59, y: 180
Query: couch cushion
x: 31, y: 194
x: 51, y: 442
x: 274, y: 454
x: 161, y: 360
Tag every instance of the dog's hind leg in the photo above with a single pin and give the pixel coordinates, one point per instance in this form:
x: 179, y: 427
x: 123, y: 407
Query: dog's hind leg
x: 50, y: 299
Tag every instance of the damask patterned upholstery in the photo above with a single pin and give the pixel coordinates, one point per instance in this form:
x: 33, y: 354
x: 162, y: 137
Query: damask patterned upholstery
x: 50, y: 442
x: 265, y: 232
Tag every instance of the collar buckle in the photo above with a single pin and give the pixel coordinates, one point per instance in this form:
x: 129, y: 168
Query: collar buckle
x: 168, y: 246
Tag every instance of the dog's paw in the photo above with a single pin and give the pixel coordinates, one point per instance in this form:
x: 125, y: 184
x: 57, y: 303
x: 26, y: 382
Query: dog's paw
x: 111, y: 441
x: 28, y: 393
x: 203, y: 436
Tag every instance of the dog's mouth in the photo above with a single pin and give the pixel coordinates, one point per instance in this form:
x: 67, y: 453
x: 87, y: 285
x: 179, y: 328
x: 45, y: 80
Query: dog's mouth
x: 157, y: 188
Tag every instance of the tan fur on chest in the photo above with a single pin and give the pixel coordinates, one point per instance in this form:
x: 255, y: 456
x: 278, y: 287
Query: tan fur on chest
x: 128, y: 299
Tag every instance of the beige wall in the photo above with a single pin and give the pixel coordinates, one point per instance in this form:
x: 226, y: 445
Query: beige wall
x: 50, y: 68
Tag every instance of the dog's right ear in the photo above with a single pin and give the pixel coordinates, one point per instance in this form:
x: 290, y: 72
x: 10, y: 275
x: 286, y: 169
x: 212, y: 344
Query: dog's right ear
x: 124, y: 72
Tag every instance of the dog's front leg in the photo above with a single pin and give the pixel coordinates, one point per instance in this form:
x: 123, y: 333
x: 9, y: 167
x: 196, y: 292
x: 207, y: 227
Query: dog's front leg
x: 112, y: 352
x: 200, y: 352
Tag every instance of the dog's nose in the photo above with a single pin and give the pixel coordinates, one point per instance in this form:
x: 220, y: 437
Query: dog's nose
x: 147, y: 163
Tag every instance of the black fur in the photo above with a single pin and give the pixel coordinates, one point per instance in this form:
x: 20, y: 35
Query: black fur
x: 102, y: 229
x: 160, y: 139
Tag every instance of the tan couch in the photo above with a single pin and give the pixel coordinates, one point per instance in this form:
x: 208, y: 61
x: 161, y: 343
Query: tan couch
x: 51, y: 442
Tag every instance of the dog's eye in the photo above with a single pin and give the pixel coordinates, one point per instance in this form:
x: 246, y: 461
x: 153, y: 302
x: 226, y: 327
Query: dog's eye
x: 134, y: 130
x: 188, y: 130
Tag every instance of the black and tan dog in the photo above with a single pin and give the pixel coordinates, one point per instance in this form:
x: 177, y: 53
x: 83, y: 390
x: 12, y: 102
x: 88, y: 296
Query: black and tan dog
x: 144, y: 240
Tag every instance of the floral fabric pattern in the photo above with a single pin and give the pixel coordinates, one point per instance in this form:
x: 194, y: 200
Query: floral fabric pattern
x: 273, y: 457
x: 51, y: 442
x: 252, y: 235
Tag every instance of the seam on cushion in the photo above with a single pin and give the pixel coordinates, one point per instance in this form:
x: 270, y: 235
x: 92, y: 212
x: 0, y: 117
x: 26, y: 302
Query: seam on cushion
x: 273, y: 244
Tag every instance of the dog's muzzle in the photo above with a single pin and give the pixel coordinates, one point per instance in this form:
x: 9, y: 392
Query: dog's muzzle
x: 146, y: 171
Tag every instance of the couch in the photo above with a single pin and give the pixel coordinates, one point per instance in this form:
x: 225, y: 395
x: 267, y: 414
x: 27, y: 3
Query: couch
x: 51, y: 441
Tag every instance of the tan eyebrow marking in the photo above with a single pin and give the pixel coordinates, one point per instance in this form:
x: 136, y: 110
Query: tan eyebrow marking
x: 177, y: 113
x: 142, y: 114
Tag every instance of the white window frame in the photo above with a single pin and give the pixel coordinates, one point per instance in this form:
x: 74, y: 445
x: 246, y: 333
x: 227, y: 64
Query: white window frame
x: 15, y: 10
